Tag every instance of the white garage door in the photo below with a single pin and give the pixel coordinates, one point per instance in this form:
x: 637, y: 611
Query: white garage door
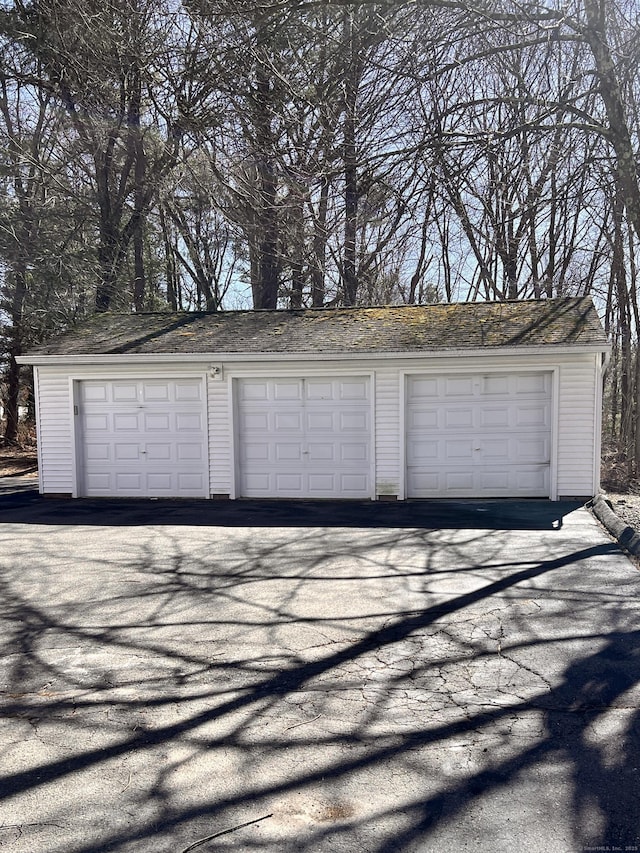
x: 144, y: 438
x: 304, y: 438
x: 479, y: 435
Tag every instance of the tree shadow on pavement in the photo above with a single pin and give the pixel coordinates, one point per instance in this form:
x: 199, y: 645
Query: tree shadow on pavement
x: 158, y: 693
x: 608, y: 791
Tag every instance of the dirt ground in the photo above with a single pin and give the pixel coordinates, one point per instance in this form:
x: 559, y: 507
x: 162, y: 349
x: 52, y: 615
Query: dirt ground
x: 626, y: 506
x: 18, y: 462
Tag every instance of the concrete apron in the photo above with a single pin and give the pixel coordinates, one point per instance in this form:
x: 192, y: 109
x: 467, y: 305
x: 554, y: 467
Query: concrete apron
x: 357, y: 688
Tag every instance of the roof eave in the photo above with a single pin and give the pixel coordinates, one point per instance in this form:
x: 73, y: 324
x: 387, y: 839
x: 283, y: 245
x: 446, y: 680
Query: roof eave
x: 186, y: 358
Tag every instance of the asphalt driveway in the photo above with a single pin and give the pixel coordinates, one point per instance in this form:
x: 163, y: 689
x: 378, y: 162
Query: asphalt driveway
x: 315, y: 677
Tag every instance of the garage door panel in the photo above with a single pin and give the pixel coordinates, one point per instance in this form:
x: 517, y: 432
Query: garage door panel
x: 494, y: 450
x: 353, y: 484
x: 251, y: 421
x: 319, y: 421
x: 290, y: 481
x: 351, y: 421
x: 457, y: 481
x: 536, y: 477
x: 533, y: 383
x: 256, y: 451
x: 254, y: 390
x: 155, y: 392
x: 125, y: 422
x: 458, y: 386
x: 98, y: 451
x: 185, y: 391
x: 458, y: 418
x: 423, y: 450
x: 256, y: 484
x: 357, y: 453
x: 498, y: 385
x: 99, y: 483
x: 321, y: 452
x: 320, y: 390
x: 124, y: 392
x: 321, y: 482
x: 130, y: 481
x: 189, y: 422
x: 155, y: 422
x: 457, y: 452
x: 423, y: 388
x: 94, y: 392
x: 419, y: 483
x: 286, y: 391
x: 536, y: 415
x: 496, y: 442
x: 289, y: 452
x: 495, y: 481
x: 159, y: 481
x: 195, y: 483
x: 532, y: 449
x: 165, y: 451
x: 494, y: 418
x: 126, y: 451
x: 318, y: 444
x: 424, y: 419
x: 354, y: 390
x: 96, y: 423
x: 285, y: 421
x: 189, y: 452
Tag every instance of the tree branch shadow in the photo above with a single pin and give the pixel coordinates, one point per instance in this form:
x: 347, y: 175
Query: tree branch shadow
x: 184, y: 700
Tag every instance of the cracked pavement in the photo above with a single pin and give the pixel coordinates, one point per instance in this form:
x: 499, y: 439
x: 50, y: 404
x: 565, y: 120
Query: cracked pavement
x: 315, y: 677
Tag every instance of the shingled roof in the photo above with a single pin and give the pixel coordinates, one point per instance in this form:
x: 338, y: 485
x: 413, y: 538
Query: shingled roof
x: 477, y: 325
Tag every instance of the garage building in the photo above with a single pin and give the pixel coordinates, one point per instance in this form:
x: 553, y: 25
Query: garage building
x: 439, y: 401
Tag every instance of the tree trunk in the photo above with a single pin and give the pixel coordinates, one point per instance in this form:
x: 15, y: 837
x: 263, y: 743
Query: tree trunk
x: 320, y: 248
x: 139, y: 284
x: 13, y: 351
x: 511, y: 276
x: 266, y: 291
x: 609, y: 87
x: 349, y: 271
x: 139, y: 173
x: 13, y: 396
x: 297, y: 252
x: 268, y: 247
x: 107, y: 255
x: 618, y: 270
x: 169, y: 263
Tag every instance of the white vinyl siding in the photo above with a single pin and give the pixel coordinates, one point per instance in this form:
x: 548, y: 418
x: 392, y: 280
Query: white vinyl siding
x: 388, y: 420
x: 55, y: 429
x: 220, y: 448
x: 576, y: 427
